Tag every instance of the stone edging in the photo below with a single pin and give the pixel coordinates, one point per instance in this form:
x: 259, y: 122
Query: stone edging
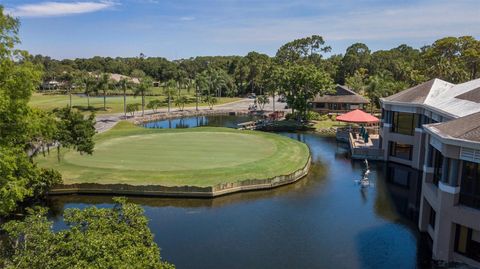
x: 183, y: 191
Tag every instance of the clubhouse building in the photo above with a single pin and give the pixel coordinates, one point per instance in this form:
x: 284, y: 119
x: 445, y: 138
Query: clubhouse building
x: 341, y: 100
x: 435, y: 128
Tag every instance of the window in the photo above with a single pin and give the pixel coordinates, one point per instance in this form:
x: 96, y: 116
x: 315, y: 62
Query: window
x: 320, y: 105
x: 433, y: 216
x: 404, y: 123
x: 425, y: 120
x: 387, y: 116
x: 470, y: 186
x: 402, y: 151
x: 332, y: 106
x: 467, y: 242
x: 437, y: 166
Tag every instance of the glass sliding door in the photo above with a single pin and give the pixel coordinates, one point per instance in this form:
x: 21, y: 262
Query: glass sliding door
x: 467, y: 242
x: 470, y: 185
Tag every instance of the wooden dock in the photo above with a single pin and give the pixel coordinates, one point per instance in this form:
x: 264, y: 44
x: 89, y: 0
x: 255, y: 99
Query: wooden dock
x: 249, y: 125
x: 370, y: 150
x: 358, y: 148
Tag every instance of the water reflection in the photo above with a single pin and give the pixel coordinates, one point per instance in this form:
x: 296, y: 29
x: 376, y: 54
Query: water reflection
x: 323, y: 221
x: 308, y: 184
x: 229, y: 121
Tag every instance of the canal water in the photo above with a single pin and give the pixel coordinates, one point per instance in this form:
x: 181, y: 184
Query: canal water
x: 325, y: 220
x: 229, y: 121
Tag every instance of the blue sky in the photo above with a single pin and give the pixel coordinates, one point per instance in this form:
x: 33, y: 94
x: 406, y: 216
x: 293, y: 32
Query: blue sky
x: 185, y: 28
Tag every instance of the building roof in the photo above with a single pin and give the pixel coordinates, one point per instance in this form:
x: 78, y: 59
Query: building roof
x: 460, y: 100
x: 473, y: 95
x: 342, y: 94
x: 464, y: 128
x: 419, y: 93
x: 357, y: 116
x: 118, y: 77
x: 455, y: 100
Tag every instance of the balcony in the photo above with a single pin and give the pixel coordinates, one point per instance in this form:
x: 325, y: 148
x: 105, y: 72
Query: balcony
x: 470, y: 200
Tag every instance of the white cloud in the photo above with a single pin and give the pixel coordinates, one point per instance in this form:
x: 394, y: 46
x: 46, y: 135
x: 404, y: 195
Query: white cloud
x: 52, y: 9
x: 149, y: 1
x: 423, y: 21
x: 187, y: 18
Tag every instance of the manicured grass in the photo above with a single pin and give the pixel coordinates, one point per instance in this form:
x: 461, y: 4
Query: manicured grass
x: 114, y: 103
x: 202, y: 156
x: 326, y: 124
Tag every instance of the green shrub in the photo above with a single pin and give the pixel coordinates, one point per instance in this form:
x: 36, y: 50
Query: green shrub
x: 154, y: 105
x: 132, y: 108
x: 312, y: 115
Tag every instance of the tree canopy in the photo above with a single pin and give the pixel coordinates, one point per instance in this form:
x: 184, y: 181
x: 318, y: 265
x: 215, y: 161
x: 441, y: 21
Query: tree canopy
x: 308, y: 48
x: 116, y: 237
x: 454, y: 59
x: 25, y: 131
x: 301, y: 83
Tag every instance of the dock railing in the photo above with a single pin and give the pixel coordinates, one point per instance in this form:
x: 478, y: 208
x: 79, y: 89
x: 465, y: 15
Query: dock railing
x: 365, y: 152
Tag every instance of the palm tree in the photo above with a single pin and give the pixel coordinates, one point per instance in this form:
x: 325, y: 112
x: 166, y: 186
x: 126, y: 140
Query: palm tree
x: 262, y: 100
x: 142, y: 89
x: 103, y: 85
x: 182, y: 79
x: 218, y: 82
x: 202, y: 85
x: 196, y: 97
x: 170, y: 91
x: 272, y: 92
x: 271, y: 81
x: 180, y: 102
x: 69, y: 79
x: 124, y: 84
x: 86, y: 80
x: 210, y: 100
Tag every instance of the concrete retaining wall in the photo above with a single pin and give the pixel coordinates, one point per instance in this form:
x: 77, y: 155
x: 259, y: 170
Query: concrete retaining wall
x: 182, y: 191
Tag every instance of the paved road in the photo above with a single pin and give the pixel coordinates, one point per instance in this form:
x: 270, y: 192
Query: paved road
x: 107, y: 121
x: 244, y: 104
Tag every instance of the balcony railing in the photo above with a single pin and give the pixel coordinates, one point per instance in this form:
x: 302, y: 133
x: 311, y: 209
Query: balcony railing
x: 470, y: 200
x: 372, y: 130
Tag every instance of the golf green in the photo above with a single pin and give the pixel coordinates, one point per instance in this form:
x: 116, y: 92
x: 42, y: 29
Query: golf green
x: 202, y: 156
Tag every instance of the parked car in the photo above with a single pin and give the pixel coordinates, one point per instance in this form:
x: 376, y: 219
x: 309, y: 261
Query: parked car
x: 252, y: 95
x: 282, y: 99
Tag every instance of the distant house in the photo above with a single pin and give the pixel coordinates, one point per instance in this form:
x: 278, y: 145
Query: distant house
x: 51, y: 85
x: 341, y: 100
x: 118, y: 77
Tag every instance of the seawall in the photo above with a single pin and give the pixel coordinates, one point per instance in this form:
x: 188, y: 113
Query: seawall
x: 182, y: 191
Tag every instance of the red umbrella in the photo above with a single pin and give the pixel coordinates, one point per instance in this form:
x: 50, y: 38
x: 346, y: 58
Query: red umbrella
x: 357, y: 116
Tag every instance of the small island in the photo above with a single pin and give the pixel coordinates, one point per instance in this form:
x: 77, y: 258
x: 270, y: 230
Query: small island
x: 196, y: 162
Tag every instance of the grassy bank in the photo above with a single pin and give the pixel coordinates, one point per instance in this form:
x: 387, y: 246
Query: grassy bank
x: 327, y: 124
